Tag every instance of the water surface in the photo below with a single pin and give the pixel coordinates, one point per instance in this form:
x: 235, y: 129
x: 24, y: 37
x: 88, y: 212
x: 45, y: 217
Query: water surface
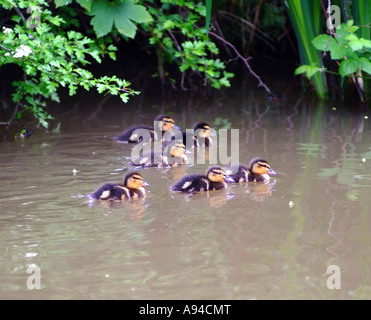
x: 251, y: 241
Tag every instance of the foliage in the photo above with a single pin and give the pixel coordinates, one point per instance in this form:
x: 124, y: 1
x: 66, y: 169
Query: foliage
x: 305, y: 16
x: 123, y: 14
x: 348, y: 44
x: 175, y: 29
x: 179, y: 34
x: 352, y: 52
x: 51, y: 57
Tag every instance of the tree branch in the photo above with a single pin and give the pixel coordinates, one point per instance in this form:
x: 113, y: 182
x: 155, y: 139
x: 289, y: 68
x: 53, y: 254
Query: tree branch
x: 261, y: 83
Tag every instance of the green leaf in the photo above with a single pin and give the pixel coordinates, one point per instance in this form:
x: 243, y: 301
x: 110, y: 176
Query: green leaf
x: 309, y: 70
x: 348, y: 66
x: 86, y: 4
x: 365, y: 65
x: 120, y: 13
x: 366, y: 43
x: 61, y: 3
x: 350, y: 23
x: 322, y: 42
x: 356, y: 45
x: 339, y: 52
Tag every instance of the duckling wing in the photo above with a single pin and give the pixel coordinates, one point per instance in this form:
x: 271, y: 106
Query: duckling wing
x: 151, y: 159
x: 108, y: 191
x: 241, y: 174
x: 191, y: 183
x: 131, y: 137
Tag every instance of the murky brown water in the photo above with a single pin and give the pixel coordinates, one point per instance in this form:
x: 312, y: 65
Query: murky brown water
x: 255, y: 241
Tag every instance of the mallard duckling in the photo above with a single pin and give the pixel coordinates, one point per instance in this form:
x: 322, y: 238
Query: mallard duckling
x: 202, y: 133
x: 172, y: 156
x: 164, y: 123
x: 215, y: 179
x: 131, y: 188
x: 258, y: 171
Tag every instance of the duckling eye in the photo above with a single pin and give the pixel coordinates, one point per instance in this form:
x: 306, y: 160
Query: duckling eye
x: 168, y: 121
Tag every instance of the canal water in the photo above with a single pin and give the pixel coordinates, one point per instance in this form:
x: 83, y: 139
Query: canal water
x: 250, y: 241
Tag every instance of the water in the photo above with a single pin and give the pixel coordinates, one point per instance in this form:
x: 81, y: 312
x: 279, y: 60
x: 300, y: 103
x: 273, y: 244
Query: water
x: 251, y: 241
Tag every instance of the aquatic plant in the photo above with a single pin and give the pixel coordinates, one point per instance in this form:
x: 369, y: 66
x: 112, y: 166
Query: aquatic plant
x: 348, y: 43
x: 305, y: 18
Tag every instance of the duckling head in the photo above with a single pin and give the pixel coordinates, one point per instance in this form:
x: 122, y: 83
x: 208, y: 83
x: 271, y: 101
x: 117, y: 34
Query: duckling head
x: 166, y: 122
x: 217, y: 174
x: 202, y: 129
x: 261, y: 166
x: 178, y: 149
x: 134, y: 181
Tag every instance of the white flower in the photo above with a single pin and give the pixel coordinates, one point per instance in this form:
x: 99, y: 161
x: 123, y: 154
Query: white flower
x: 7, y: 30
x: 7, y: 54
x: 22, y: 51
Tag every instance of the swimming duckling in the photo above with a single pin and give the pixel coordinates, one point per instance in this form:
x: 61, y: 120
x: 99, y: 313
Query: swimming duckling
x: 163, y: 122
x: 258, y: 171
x: 215, y: 179
x: 202, y: 133
x: 172, y: 156
x: 131, y: 188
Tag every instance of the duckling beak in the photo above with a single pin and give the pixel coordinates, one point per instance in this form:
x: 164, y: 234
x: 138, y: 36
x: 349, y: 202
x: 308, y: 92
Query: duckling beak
x: 272, y: 172
x: 177, y: 127
x: 228, y: 179
x: 145, y: 184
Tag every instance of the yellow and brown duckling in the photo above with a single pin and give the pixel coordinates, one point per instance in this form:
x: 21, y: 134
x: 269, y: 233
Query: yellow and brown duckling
x: 173, y: 155
x: 163, y: 122
x: 258, y: 170
x: 133, y: 187
x: 201, y: 136
x: 215, y: 179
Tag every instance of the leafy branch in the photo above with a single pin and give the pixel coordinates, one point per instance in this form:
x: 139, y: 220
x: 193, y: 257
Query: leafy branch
x: 50, y: 58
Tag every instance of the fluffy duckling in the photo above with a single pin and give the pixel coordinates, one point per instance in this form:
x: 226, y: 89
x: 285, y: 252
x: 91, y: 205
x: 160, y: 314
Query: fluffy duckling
x: 131, y: 188
x: 202, y: 133
x: 173, y: 155
x: 163, y: 122
x: 215, y: 179
x: 258, y: 171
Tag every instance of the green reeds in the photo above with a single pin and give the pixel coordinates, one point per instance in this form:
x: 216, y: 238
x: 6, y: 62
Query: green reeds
x: 209, y: 4
x: 361, y: 10
x: 305, y: 17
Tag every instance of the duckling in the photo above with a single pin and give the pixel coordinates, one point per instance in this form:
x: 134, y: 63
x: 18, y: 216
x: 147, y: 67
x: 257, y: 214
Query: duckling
x: 215, y: 179
x: 131, y: 188
x: 172, y: 156
x: 202, y: 132
x: 163, y: 121
x: 258, y: 171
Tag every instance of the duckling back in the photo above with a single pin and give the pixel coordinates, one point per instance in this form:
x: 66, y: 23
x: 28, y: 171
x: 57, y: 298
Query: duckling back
x: 112, y: 191
x: 130, y: 136
x: 241, y: 175
x: 192, y: 183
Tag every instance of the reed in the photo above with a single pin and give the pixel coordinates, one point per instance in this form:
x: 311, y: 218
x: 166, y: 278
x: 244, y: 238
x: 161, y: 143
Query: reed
x: 305, y: 17
x: 361, y: 10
